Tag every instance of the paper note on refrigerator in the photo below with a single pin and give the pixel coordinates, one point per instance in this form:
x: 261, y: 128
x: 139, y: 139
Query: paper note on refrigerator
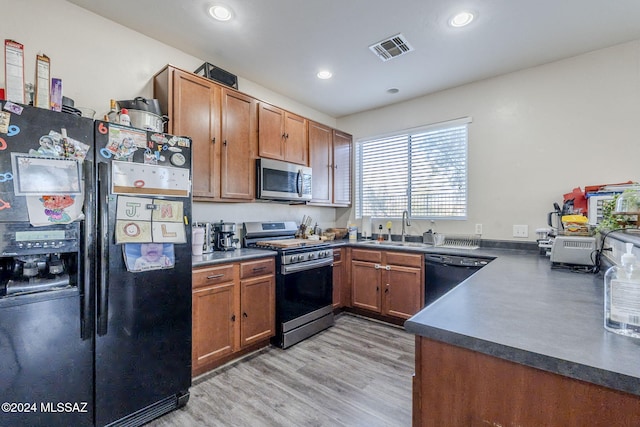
x: 153, y: 180
x: 144, y: 220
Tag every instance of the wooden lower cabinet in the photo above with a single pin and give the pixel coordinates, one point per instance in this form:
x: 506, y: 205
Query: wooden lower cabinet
x: 387, y: 283
x: 454, y: 386
x: 233, y: 311
x: 339, y: 278
x: 258, y: 302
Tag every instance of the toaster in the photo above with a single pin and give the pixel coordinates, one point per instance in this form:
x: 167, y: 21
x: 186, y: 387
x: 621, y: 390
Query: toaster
x: 573, y: 250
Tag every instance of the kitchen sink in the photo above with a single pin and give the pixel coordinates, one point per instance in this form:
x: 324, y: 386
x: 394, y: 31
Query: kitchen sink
x: 452, y: 245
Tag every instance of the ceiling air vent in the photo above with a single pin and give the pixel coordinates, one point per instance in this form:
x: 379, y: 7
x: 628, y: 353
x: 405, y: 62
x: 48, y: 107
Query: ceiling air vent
x: 391, y: 48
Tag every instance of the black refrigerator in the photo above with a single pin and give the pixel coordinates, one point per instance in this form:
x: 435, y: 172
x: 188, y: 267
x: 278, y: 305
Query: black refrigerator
x: 95, y: 271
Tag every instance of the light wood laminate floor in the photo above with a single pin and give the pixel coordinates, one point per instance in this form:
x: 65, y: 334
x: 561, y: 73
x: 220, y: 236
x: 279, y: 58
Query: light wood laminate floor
x: 356, y: 373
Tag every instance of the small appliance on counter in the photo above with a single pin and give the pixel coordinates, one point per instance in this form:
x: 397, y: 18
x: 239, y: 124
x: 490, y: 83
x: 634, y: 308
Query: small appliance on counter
x: 574, y: 250
x: 209, y: 243
x: 223, y: 236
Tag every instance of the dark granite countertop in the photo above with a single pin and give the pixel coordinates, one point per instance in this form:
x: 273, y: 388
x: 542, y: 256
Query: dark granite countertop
x: 517, y: 308
x: 221, y: 257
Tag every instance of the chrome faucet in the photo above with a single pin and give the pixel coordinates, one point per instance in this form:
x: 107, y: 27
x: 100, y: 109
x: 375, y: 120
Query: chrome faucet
x: 405, y: 220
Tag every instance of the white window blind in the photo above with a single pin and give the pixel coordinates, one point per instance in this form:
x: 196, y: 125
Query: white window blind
x: 422, y: 170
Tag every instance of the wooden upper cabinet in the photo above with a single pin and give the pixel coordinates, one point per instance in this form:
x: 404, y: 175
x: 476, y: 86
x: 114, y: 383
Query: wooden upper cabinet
x: 330, y: 159
x: 239, y: 139
x: 282, y: 135
x: 193, y: 106
x: 270, y: 131
x: 342, y: 143
x: 229, y: 130
x: 296, y: 145
x: 321, y: 162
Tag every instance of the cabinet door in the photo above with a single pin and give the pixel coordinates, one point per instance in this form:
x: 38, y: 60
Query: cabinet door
x: 214, y: 318
x: 365, y: 286
x: 341, y: 168
x: 402, y: 291
x: 258, y: 307
x: 321, y: 161
x: 270, y: 131
x: 338, y: 278
x: 196, y: 113
x: 238, y: 145
x: 296, y: 147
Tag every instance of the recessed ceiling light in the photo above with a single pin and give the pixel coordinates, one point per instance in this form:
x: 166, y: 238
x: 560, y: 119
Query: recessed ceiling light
x: 324, y: 74
x: 461, y: 19
x: 220, y: 12
x: 393, y: 90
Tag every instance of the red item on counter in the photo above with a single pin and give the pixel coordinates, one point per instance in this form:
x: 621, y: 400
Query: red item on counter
x: 2, y: 94
x: 579, y: 200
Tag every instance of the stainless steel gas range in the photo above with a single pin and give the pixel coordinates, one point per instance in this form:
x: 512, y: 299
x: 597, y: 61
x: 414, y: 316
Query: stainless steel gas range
x: 304, y: 279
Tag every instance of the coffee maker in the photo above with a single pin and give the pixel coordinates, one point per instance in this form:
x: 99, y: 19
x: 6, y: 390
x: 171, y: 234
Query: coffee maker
x: 223, y: 236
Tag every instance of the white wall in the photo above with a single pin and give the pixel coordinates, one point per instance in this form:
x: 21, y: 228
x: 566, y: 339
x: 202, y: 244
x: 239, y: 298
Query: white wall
x: 99, y: 60
x: 536, y: 135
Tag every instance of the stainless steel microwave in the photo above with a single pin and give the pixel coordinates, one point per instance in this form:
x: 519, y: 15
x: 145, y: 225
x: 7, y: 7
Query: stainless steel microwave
x: 278, y: 180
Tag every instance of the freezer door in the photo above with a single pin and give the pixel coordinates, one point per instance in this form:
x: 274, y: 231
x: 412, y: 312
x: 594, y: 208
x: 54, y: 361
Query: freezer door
x: 44, y: 361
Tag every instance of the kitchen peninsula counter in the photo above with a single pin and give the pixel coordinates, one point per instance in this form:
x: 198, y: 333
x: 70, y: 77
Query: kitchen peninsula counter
x: 512, y: 315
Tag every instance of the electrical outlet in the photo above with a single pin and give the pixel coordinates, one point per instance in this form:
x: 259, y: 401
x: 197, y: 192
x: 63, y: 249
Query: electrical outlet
x: 478, y: 228
x: 520, y: 231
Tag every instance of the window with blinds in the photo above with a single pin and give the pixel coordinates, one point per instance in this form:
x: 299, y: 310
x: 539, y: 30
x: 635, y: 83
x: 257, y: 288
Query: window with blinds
x: 422, y: 170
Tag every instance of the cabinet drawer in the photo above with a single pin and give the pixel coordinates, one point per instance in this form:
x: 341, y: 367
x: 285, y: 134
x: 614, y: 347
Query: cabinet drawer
x: 366, y: 255
x: 259, y: 267
x: 337, y: 255
x: 403, y: 258
x: 212, y: 275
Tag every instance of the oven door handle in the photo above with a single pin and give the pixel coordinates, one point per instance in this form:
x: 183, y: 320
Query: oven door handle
x: 308, y: 265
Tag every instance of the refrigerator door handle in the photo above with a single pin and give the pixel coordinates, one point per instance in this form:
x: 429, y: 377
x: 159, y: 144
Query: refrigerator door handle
x: 86, y: 325
x: 103, y: 248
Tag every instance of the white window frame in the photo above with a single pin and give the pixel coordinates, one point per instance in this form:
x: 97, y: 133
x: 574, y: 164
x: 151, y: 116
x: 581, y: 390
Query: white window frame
x: 405, y: 136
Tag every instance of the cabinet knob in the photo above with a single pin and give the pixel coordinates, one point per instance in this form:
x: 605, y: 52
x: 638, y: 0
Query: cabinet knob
x: 213, y: 140
x: 233, y: 318
x: 244, y: 315
x: 387, y: 267
x: 224, y: 143
x: 377, y: 266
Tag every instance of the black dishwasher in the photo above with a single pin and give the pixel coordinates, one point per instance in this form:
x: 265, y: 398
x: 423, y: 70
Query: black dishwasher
x: 445, y: 272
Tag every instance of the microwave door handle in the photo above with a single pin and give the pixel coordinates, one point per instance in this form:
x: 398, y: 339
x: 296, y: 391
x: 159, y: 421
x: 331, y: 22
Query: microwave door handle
x: 300, y: 183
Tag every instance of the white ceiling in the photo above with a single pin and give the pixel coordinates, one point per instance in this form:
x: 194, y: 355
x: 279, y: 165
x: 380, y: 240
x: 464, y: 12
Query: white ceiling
x: 282, y: 44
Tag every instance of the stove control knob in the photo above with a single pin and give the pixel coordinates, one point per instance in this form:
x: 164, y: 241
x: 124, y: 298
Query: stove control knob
x: 313, y: 255
x: 322, y: 254
x: 293, y: 258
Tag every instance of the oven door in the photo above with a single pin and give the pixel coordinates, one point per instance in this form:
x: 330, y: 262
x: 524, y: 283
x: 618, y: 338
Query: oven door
x: 303, y: 290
